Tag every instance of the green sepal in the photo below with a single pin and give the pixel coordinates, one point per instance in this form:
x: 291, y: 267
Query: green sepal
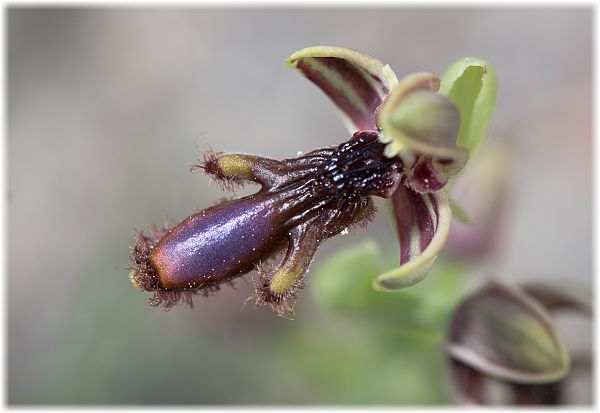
x: 470, y: 83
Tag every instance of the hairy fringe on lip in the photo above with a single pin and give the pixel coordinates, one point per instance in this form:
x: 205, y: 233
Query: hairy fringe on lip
x: 144, y: 275
x: 281, y: 304
x: 208, y: 164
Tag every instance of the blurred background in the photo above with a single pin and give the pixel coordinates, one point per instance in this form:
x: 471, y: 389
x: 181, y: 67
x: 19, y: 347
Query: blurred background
x: 108, y: 107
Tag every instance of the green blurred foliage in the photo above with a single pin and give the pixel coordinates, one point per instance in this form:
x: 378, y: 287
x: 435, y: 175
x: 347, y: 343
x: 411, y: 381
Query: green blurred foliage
x: 344, y: 284
x: 396, y: 336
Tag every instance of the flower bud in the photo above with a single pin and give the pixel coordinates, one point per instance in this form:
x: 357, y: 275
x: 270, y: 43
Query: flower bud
x: 503, y: 332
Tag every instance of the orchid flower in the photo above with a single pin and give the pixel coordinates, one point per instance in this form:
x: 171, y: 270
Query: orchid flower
x: 408, y: 138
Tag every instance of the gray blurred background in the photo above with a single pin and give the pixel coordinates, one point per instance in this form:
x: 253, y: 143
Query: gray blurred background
x: 108, y: 107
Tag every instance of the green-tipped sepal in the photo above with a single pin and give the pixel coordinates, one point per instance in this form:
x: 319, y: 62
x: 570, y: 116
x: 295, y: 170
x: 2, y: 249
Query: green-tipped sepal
x: 356, y: 82
x: 470, y: 84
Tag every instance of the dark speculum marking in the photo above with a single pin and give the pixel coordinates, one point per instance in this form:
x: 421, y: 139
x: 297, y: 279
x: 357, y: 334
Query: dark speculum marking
x: 302, y: 202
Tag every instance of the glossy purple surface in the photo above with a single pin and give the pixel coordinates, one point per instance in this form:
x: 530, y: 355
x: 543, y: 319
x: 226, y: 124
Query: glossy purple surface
x: 302, y: 202
x: 218, y: 243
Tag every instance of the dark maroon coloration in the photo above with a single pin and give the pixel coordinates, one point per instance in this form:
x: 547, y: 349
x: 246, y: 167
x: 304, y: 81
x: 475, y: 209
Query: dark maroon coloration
x: 415, y: 213
x: 425, y: 178
x: 218, y: 242
x: 303, y: 201
x: 353, y: 75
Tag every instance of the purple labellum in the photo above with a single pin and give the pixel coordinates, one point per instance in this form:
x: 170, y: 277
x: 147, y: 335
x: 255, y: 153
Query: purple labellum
x: 211, y: 246
x: 303, y: 201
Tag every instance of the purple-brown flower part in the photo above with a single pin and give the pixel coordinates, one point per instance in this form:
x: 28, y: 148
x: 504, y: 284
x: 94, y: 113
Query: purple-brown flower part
x: 424, y: 177
x: 356, y: 82
x: 302, y: 202
x: 422, y: 221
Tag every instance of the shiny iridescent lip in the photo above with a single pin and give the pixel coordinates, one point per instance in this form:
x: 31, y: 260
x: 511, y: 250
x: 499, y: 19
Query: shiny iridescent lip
x: 303, y: 201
